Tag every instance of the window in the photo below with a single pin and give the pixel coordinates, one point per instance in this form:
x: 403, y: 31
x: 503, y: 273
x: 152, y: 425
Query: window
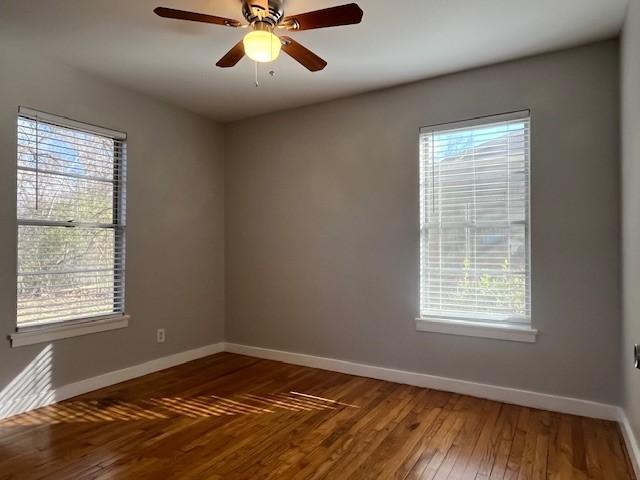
x: 71, y: 221
x: 474, y: 222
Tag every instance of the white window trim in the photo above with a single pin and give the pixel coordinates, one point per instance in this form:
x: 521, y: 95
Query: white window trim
x: 516, y: 333
x: 478, y: 328
x: 68, y: 329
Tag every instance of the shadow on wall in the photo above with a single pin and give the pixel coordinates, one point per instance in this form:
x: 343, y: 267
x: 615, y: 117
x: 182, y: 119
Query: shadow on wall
x: 31, y: 388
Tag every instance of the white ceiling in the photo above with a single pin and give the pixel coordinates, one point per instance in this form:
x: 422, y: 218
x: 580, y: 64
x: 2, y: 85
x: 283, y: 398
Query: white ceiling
x: 399, y: 41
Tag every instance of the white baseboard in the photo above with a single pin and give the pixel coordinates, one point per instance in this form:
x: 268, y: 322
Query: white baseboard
x: 526, y: 398
x: 543, y: 401
x: 630, y: 440
x: 48, y: 396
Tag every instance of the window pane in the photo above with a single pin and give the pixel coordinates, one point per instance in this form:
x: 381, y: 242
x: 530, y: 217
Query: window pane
x: 475, y: 272
x: 64, y: 198
x: 64, y: 150
x: 474, y: 215
x: 69, y: 176
x: 66, y: 273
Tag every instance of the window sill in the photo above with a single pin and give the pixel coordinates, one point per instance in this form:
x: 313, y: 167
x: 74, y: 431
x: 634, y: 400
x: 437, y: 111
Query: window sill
x: 474, y: 329
x: 48, y: 333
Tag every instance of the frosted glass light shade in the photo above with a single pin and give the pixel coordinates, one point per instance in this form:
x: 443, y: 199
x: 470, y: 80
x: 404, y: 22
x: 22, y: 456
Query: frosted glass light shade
x: 261, y: 46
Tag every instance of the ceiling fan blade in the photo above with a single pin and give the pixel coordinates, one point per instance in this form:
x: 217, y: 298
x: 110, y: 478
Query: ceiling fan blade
x: 302, y: 55
x: 329, y: 17
x: 195, y: 17
x: 232, y: 57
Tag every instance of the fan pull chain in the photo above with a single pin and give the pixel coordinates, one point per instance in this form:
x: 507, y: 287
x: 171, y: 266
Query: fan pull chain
x: 256, y: 71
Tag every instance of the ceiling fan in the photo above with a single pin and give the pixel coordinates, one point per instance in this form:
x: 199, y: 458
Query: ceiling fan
x: 265, y: 16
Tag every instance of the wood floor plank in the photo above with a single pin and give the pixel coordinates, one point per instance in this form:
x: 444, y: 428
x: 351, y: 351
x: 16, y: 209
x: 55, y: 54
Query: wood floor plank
x: 507, y: 434
x: 393, y: 452
x: 481, y: 459
x: 433, y: 456
x: 423, y: 451
x: 232, y: 417
x: 460, y: 454
x: 342, y: 455
x: 517, y: 450
x: 561, y: 451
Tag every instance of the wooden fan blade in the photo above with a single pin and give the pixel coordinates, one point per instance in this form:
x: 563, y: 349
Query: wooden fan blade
x: 302, y: 55
x: 195, y: 17
x: 232, y: 57
x: 329, y: 17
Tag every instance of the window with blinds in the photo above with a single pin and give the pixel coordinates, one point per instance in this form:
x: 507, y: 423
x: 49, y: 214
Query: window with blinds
x: 474, y: 220
x: 71, y: 220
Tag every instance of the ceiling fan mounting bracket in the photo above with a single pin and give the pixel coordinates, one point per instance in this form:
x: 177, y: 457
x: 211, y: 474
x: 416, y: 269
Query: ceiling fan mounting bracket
x: 290, y: 24
x: 253, y: 12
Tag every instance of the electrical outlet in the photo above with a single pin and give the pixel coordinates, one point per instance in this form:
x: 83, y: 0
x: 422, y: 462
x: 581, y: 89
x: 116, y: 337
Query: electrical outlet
x: 636, y: 355
x: 160, y: 335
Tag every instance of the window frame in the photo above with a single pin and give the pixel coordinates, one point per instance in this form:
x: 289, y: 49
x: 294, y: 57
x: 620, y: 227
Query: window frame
x: 58, y: 329
x: 480, y: 325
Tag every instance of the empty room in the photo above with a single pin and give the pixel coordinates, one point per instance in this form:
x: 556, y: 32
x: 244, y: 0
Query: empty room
x: 295, y: 239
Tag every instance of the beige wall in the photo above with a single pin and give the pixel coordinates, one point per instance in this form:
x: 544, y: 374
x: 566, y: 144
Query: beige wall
x: 631, y: 211
x: 322, y: 226
x: 175, y: 239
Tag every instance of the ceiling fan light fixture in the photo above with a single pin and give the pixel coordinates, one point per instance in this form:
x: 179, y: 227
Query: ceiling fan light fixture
x: 262, y: 17
x: 262, y: 46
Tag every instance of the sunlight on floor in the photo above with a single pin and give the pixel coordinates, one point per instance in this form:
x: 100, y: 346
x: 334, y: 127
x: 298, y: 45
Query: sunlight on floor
x: 205, y: 406
x: 31, y: 387
x: 311, y: 397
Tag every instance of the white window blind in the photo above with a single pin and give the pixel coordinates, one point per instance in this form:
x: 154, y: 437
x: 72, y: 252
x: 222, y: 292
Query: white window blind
x: 71, y: 220
x: 474, y: 220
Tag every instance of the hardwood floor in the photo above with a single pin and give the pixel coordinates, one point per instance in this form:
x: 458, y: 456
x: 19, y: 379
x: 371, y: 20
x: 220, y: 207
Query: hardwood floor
x: 235, y: 417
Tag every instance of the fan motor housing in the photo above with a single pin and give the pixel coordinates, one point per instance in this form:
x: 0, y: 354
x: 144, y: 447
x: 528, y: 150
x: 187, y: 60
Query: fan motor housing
x: 254, y: 13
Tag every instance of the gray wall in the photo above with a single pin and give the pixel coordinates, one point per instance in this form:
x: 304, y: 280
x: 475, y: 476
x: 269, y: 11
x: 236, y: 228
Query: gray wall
x: 175, y: 239
x: 321, y: 226
x: 631, y: 211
